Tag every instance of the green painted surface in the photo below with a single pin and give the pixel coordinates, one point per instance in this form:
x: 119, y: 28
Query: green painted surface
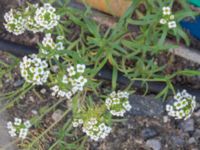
x: 195, y: 2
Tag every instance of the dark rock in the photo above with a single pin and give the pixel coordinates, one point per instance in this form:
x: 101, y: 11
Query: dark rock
x: 145, y: 106
x: 191, y: 140
x: 154, y: 144
x: 187, y: 125
x: 196, y: 135
x: 194, y: 149
x: 197, y: 113
x: 178, y: 140
x: 18, y: 83
x: 148, y: 133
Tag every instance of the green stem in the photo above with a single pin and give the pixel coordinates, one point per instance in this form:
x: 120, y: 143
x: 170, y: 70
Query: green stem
x: 48, y: 129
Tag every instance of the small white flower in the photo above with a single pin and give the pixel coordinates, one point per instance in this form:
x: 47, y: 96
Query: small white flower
x: 59, y: 46
x: 108, y: 102
x: 172, y: 24
x: 75, y: 89
x: 172, y: 17
x: 61, y: 93
x: 18, y: 121
x: 71, y: 71
x: 169, y: 108
x: 178, y: 105
x: 68, y: 95
x: 23, y: 133
x: 178, y: 96
x: 127, y: 106
x: 113, y: 94
x: 102, y: 126
x: 163, y: 21
x: 81, y: 81
x: 80, y: 68
x: 48, y: 41
x: 172, y: 113
x: 27, y: 124
x: 55, y: 88
x: 166, y: 10
x: 80, y: 121
x: 108, y: 129
x: 75, y: 124
x: 12, y: 133
x: 93, y: 121
x: 65, y: 79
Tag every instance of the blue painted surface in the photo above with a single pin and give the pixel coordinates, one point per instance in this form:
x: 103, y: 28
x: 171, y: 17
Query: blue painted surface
x: 193, y: 27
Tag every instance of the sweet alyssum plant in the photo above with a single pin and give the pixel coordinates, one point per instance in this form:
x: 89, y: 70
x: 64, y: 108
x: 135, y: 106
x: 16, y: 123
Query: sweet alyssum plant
x: 18, y: 128
x: 33, y: 18
x: 67, y: 65
x: 183, y: 106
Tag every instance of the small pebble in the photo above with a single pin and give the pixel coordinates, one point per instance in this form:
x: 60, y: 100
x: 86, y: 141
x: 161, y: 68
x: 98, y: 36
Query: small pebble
x: 196, y: 134
x: 43, y: 91
x: 197, y: 114
x: 178, y: 140
x: 192, y: 140
x: 154, y: 144
x: 22, y: 97
x: 34, y: 112
x: 187, y: 125
x: 57, y: 115
x: 194, y: 149
x: 165, y: 119
x: 54, y: 68
x: 138, y: 141
x: 148, y: 133
x: 31, y: 98
x: 18, y: 83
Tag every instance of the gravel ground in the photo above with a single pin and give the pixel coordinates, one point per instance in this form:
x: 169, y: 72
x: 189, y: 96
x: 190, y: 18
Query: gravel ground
x: 158, y: 133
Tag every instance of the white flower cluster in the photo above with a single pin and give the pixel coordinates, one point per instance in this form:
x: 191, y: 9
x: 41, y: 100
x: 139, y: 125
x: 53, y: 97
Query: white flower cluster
x: 18, y: 128
x: 168, y: 18
x: 183, y: 107
x: 34, y: 70
x: 46, y: 17
x: 118, y: 103
x: 72, y: 82
x: 49, y: 46
x: 94, y: 128
x: 31, y: 24
x: 34, y: 18
x: 77, y: 122
x: 14, y: 22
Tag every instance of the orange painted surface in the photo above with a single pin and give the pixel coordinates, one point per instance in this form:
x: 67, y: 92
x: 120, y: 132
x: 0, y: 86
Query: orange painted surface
x: 114, y: 7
